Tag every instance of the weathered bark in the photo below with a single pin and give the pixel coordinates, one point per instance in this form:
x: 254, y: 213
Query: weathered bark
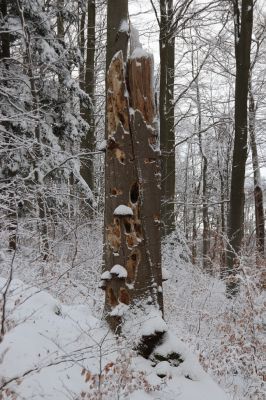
x: 88, y: 142
x: 132, y: 235
x: 146, y: 155
x: 166, y: 110
x: 258, y: 193
x: 243, y: 32
x: 116, y: 104
x: 132, y: 180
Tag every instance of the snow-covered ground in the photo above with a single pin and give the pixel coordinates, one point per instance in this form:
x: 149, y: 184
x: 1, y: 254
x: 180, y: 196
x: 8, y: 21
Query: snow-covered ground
x: 56, y: 351
x: 57, y: 346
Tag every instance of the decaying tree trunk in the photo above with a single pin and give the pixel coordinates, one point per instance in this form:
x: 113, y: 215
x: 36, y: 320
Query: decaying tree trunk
x: 132, y: 258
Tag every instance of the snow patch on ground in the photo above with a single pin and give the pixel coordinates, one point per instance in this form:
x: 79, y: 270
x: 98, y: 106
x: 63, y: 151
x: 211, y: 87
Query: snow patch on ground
x: 46, y: 344
x: 55, y: 351
x: 195, y: 306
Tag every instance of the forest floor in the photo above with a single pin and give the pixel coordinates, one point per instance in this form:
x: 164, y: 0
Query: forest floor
x: 56, y: 345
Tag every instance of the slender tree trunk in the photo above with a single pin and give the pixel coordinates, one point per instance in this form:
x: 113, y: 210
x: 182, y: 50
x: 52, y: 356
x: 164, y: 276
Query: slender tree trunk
x: 166, y: 109
x: 60, y: 21
x: 4, y: 35
x: 12, y: 226
x: 204, y: 166
x: 185, y: 208
x: 243, y: 31
x: 258, y: 193
x: 195, y: 200
x: 82, y: 48
x: 223, y: 226
x: 88, y: 142
x: 205, y: 217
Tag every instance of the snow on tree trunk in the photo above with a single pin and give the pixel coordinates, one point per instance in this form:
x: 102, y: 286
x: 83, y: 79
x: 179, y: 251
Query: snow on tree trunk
x: 132, y: 197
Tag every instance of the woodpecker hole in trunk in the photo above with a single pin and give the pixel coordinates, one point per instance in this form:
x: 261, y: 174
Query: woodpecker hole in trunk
x: 134, y: 193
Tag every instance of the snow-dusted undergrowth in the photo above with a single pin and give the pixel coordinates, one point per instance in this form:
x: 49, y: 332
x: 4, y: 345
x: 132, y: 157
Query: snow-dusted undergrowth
x: 56, y: 351
x: 57, y: 346
x: 226, y: 334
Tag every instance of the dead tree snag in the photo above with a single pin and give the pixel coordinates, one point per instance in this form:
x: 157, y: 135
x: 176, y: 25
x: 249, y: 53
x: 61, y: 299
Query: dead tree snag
x: 132, y: 196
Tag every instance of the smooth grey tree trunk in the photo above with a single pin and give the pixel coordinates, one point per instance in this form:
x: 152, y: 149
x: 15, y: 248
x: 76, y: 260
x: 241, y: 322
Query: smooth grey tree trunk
x: 88, y: 85
x: 204, y: 170
x: 258, y: 193
x: 167, y: 116
x: 243, y: 19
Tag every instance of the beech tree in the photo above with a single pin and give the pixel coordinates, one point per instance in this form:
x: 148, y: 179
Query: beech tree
x: 243, y: 21
x: 132, y: 275
x: 254, y: 103
x: 87, y: 83
x: 167, y: 113
x: 258, y: 192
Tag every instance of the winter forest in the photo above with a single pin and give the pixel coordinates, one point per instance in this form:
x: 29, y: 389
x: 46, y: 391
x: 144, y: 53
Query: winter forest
x: 132, y: 186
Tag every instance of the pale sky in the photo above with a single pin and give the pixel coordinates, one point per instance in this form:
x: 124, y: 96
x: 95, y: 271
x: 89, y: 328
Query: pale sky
x: 143, y: 18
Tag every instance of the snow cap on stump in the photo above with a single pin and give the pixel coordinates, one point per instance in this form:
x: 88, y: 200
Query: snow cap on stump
x: 119, y: 271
